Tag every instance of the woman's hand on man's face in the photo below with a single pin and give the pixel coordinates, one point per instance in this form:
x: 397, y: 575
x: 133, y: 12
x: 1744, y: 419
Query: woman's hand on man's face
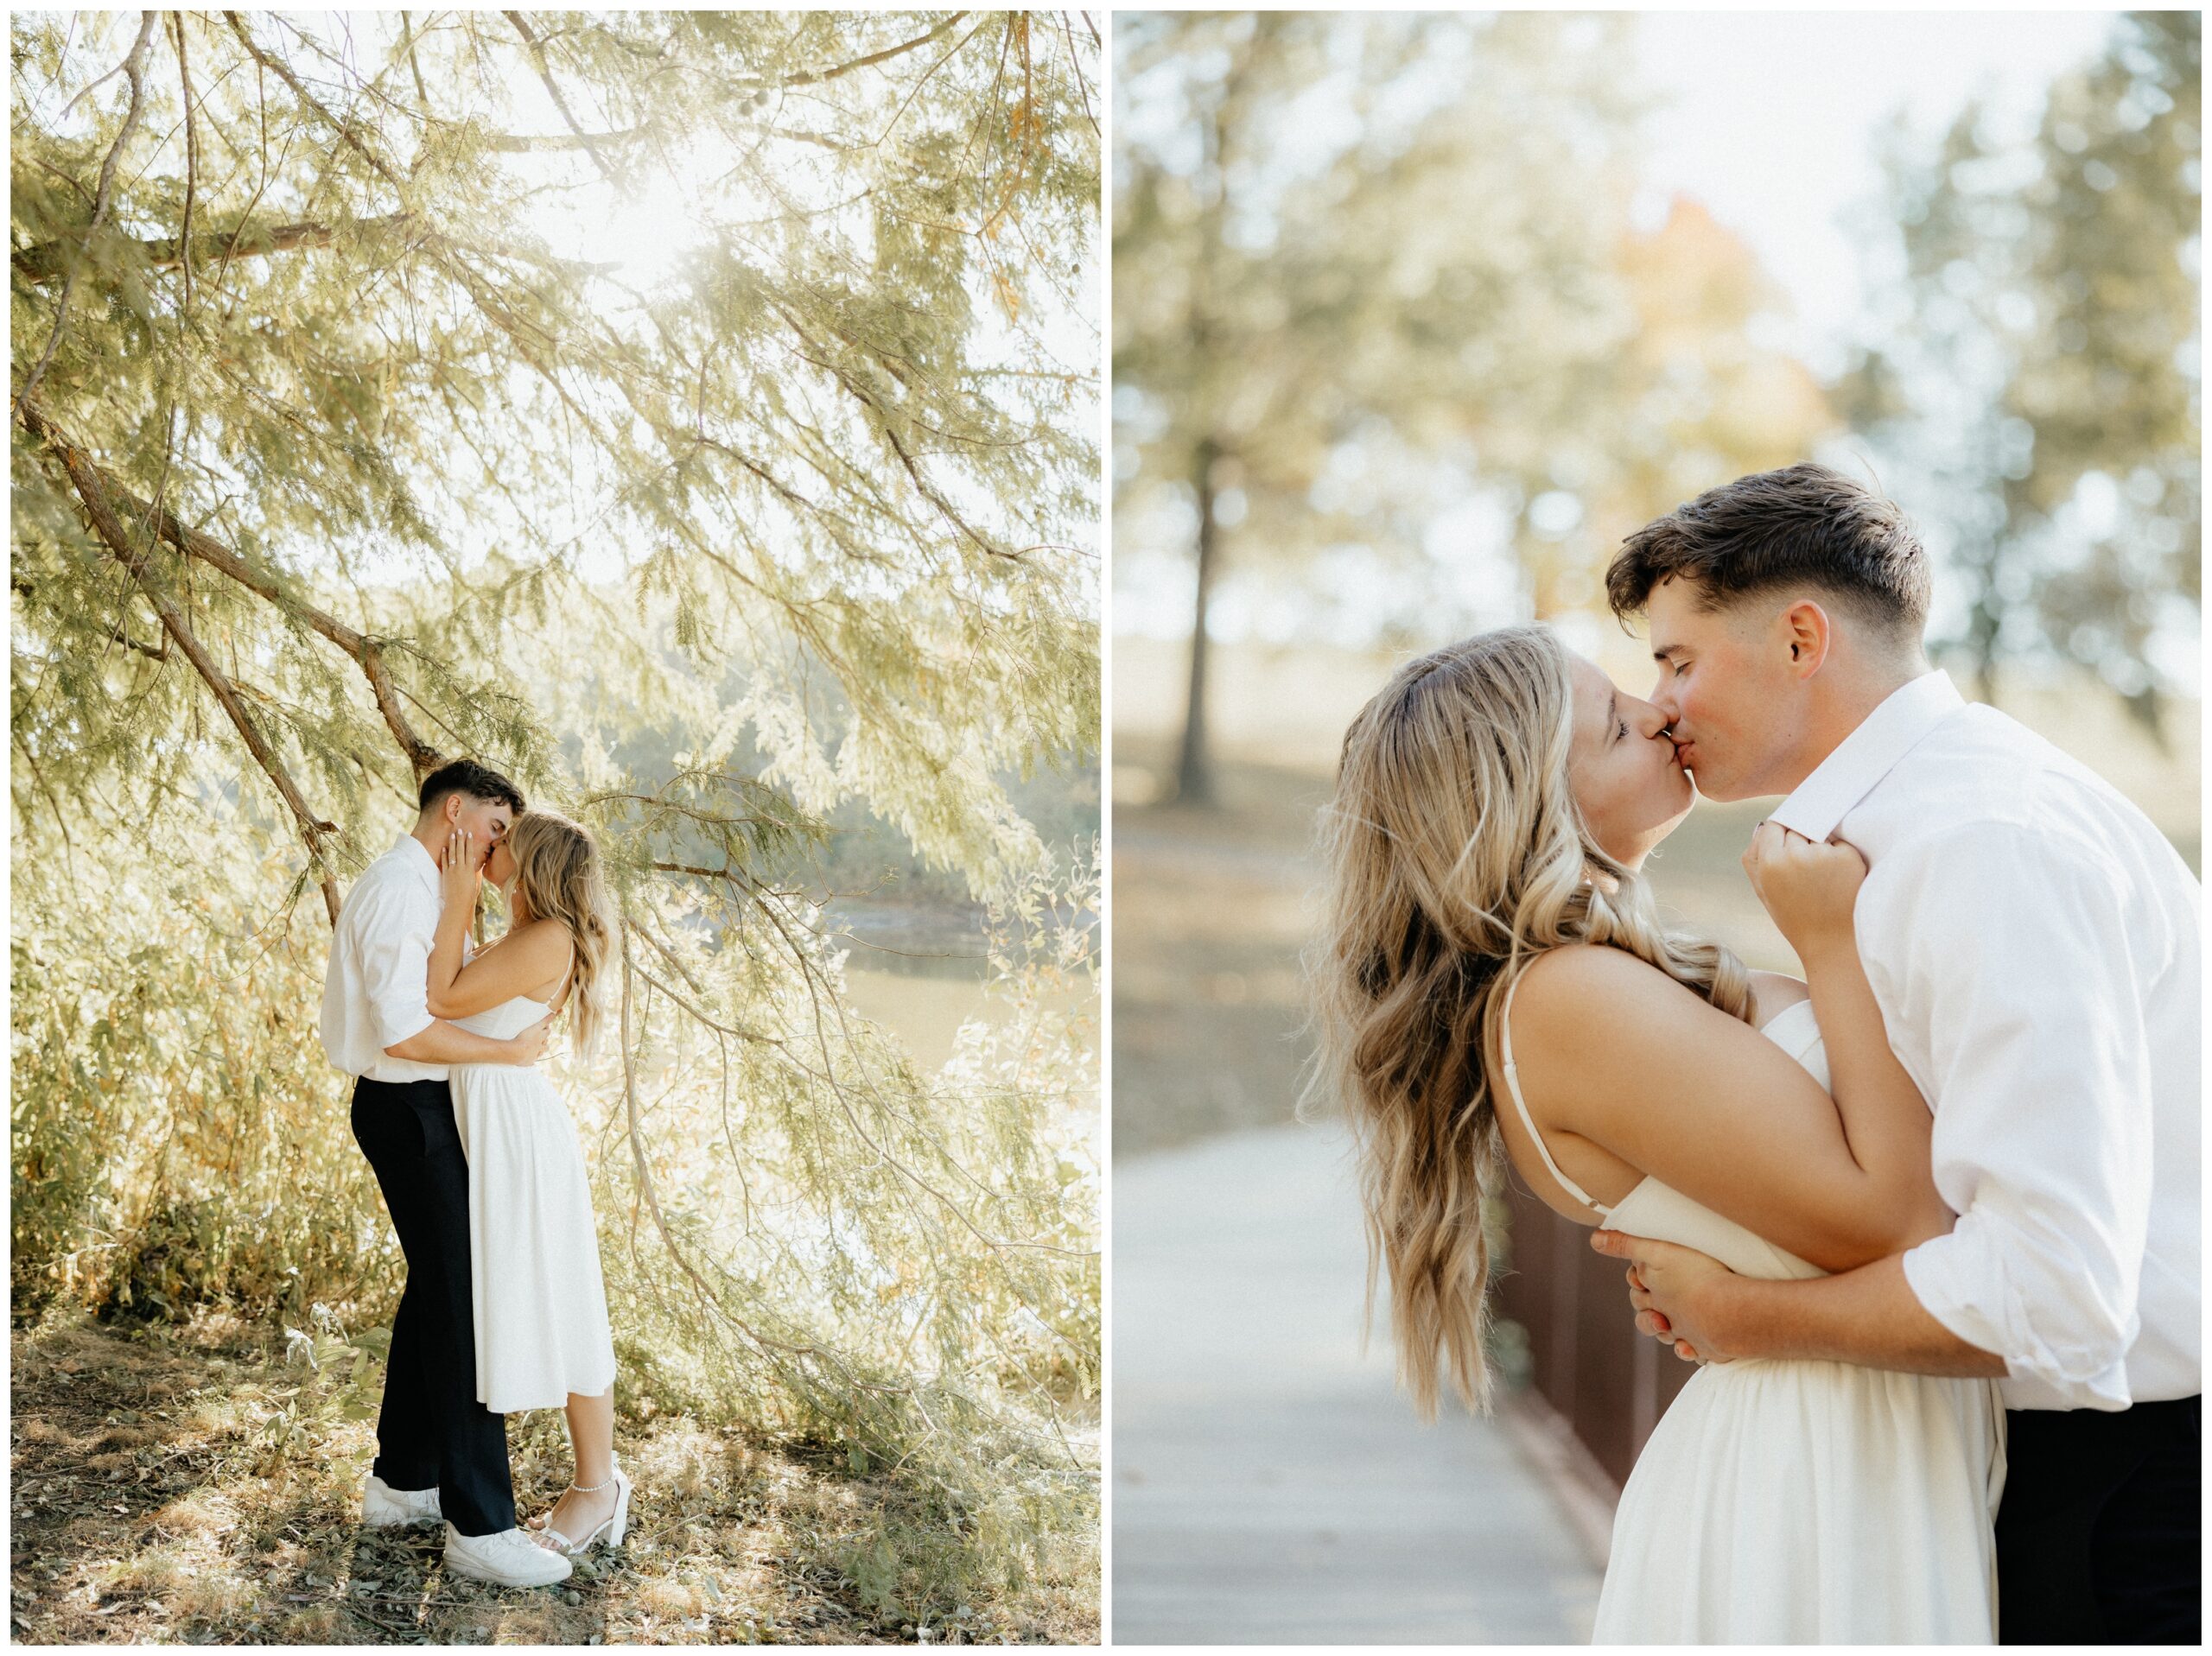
x: 461, y: 868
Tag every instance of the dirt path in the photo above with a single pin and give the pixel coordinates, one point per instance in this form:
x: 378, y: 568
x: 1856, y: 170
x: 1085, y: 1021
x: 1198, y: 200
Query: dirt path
x: 1269, y: 1485
x: 198, y: 1487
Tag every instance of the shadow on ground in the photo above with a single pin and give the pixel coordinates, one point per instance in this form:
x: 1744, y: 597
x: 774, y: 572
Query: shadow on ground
x: 195, y: 1485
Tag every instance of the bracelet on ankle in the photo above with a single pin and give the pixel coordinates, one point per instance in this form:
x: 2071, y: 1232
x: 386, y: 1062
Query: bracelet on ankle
x: 592, y: 1489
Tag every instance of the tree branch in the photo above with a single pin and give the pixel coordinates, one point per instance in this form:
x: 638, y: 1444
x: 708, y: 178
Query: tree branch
x: 283, y: 72
x: 545, y: 74
x: 193, y: 543
x: 93, y: 493
x: 813, y: 77
x: 43, y: 261
x: 1075, y: 67
x: 414, y: 63
x: 883, y: 424
x: 363, y: 649
x: 46, y: 260
x: 513, y: 144
x: 191, y: 156
x: 105, y: 200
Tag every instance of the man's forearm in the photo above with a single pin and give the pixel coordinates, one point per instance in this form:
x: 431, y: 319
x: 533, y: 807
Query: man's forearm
x: 444, y: 1042
x: 1869, y: 1317
x: 447, y: 944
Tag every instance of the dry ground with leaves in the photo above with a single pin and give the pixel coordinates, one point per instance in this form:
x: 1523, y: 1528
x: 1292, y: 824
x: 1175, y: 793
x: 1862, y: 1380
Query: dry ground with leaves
x: 199, y: 1486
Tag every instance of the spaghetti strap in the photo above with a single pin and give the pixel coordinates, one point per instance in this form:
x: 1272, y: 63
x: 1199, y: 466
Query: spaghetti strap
x: 1513, y: 1086
x: 568, y: 982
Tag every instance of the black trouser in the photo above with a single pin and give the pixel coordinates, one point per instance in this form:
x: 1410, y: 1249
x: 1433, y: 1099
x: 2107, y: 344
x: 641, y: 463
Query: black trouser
x: 431, y: 1429
x: 2097, y: 1534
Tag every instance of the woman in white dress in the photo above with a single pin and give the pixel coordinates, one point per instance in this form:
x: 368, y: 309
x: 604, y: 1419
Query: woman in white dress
x: 542, y: 1334
x: 1494, y: 986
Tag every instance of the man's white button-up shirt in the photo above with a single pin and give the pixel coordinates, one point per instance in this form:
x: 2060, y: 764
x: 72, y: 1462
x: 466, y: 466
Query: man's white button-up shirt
x: 2034, y: 943
x: 378, y: 991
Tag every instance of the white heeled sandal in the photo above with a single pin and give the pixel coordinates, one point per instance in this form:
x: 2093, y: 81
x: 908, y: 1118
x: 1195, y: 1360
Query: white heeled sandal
x: 610, y: 1531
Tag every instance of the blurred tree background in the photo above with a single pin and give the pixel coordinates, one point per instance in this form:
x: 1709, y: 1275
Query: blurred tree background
x: 689, y: 414
x: 1396, y: 354
x: 1377, y: 296
x: 1414, y: 318
x: 2036, y: 364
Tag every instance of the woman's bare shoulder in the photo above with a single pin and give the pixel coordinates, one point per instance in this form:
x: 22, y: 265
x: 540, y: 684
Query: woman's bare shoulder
x: 1604, y: 1032
x: 1558, y: 989
x: 545, y: 940
x: 1574, y: 969
x: 546, y: 937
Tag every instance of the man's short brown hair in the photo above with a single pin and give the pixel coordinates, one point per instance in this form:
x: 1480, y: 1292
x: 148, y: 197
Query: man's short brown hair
x: 1805, y: 524
x: 477, y: 781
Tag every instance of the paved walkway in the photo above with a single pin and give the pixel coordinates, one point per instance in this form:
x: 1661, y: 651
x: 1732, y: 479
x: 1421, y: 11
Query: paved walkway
x: 1269, y: 1484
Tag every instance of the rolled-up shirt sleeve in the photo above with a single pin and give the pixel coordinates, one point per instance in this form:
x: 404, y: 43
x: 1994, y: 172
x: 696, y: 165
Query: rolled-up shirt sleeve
x: 394, y: 937
x: 2015, y: 959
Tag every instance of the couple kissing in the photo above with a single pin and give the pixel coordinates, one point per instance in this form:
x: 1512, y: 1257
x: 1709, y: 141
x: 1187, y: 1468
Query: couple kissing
x: 504, y: 1308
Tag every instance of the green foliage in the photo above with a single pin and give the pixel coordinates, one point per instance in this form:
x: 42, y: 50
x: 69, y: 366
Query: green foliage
x: 178, y: 1137
x: 2037, y: 380
x: 381, y: 457
x: 855, y: 462
x: 1372, y: 269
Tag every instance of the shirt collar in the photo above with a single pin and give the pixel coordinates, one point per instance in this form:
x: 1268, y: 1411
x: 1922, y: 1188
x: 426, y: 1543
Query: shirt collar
x: 1819, y: 804
x: 422, y: 862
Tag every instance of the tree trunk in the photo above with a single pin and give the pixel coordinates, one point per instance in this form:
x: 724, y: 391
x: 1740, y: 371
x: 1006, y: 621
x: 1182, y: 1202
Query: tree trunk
x: 1194, y: 769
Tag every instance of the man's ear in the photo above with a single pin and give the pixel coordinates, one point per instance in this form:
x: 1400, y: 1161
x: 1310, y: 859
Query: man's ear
x: 1809, y: 634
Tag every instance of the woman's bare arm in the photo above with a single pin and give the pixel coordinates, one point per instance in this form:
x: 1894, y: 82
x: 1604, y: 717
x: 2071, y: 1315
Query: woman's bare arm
x: 439, y: 1042
x: 1810, y: 891
x: 520, y: 963
x: 458, y: 879
x: 533, y: 957
x: 1614, y: 1050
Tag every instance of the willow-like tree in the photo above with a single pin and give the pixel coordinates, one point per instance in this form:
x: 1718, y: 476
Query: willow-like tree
x: 502, y: 384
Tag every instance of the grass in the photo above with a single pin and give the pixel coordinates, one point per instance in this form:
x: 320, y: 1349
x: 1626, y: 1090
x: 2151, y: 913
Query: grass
x: 1208, y: 918
x: 192, y: 1485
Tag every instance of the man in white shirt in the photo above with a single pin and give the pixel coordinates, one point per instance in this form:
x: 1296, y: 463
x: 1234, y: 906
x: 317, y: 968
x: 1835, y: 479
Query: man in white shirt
x: 441, y: 1454
x: 2036, y: 946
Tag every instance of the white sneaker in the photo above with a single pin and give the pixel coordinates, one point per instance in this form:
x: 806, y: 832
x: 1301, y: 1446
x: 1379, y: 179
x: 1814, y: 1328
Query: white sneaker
x: 508, y: 1557
x: 382, y: 1506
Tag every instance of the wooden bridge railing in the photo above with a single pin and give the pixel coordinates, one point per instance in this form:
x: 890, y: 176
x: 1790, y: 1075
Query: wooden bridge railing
x: 1609, y: 1383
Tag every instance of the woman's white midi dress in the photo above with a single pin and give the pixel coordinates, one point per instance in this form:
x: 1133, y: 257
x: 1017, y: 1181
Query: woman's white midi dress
x: 541, y: 1304
x: 1799, y: 1502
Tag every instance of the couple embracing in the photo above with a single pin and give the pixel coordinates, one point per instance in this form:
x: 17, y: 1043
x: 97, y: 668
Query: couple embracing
x: 1928, y: 1220
x: 504, y: 1308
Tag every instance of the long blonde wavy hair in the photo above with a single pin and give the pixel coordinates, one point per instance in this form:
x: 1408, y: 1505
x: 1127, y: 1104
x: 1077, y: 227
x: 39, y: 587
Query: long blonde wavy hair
x: 560, y: 876
x: 1455, y: 855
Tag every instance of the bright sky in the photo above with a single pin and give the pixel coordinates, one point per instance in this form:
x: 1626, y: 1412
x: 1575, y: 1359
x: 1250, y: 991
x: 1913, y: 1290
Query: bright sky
x: 1770, y: 119
x: 667, y: 207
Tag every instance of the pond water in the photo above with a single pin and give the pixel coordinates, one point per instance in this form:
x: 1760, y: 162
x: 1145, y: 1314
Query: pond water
x: 919, y: 971
x: 925, y: 1011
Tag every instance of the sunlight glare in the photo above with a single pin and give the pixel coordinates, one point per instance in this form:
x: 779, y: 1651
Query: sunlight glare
x: 645, y: 232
